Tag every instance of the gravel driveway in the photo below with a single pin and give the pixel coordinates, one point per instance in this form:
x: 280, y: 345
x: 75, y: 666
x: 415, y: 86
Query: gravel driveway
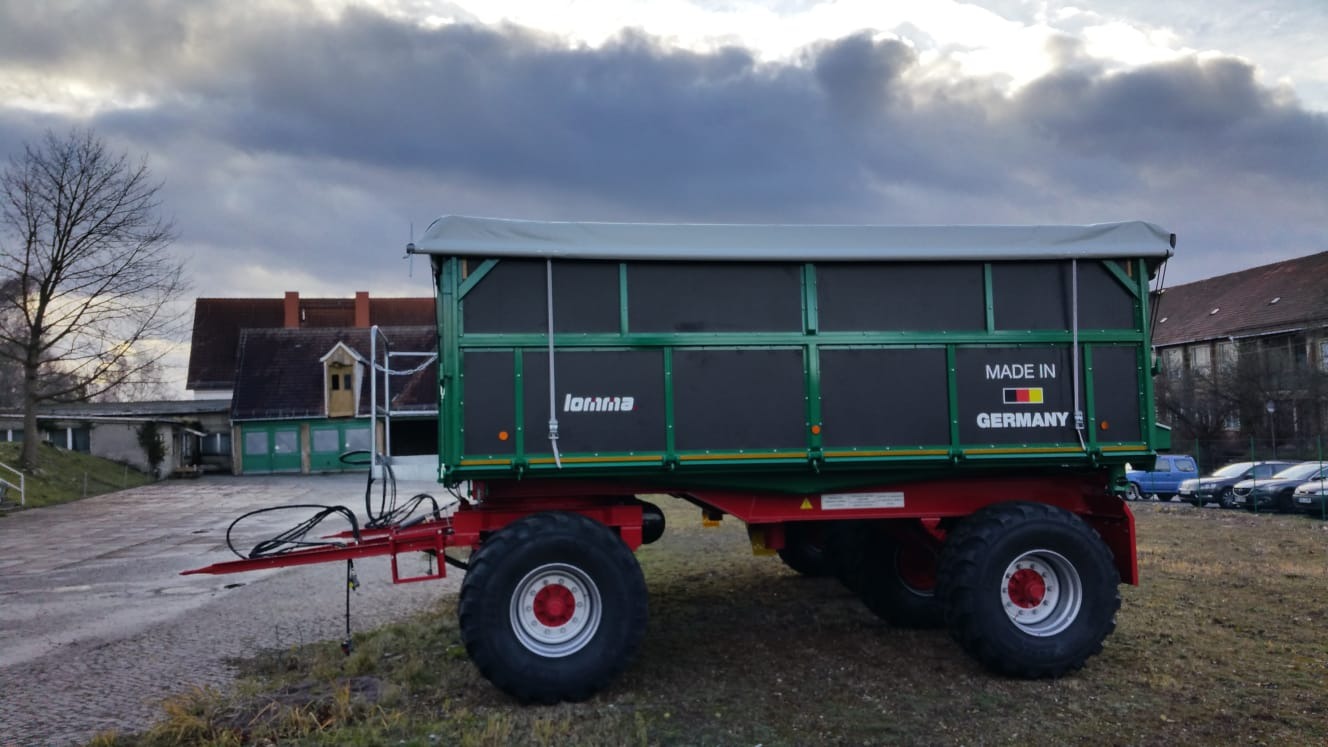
x: 97, y: 625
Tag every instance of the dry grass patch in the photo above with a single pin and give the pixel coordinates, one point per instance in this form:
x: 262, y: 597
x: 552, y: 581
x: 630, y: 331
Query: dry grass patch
x: 1226, y: 641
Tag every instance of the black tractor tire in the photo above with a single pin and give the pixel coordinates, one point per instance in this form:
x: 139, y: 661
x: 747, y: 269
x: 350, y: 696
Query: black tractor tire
x: 553, y: 608
x: 1028, y: 589
x: 898, y: 584
x: 804, y: 550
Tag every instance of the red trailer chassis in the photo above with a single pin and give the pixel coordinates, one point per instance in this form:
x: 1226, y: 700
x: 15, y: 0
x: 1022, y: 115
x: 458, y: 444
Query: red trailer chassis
x: 498, y: 504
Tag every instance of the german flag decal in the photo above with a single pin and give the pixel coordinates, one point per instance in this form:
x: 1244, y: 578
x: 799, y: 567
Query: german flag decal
x: 1023, y: 396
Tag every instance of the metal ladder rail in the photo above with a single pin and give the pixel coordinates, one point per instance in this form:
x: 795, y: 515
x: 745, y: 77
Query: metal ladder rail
x: 385, y: 404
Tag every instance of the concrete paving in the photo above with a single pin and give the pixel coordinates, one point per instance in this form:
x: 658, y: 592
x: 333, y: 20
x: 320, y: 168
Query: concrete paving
x: 97, y: 625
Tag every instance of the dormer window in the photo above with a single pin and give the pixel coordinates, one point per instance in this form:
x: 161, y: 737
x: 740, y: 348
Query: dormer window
x: 341, y: 381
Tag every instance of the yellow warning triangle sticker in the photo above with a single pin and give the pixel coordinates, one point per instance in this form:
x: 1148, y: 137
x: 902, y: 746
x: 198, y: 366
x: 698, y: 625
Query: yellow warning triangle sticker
x: 806, y: 504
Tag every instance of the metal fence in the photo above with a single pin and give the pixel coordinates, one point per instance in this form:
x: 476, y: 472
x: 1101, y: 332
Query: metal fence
x: 1214, y: 453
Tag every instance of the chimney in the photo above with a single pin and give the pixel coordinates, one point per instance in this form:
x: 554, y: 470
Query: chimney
x: 362, y: 309
x: 292, y: 305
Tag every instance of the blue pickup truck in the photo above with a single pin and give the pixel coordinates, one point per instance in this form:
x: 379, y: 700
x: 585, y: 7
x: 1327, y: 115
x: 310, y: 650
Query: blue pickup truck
x: 1163, y: 479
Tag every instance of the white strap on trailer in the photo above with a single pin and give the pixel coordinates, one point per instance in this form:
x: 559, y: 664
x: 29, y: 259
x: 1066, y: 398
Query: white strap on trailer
x: 553, y: 388
x: 1074, y: 350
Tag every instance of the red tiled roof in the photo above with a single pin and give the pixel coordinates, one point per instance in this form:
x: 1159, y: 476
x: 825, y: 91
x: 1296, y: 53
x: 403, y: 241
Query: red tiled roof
x: 1241, y: 304
x: 401, y: 312
x: 217, y: 325
x: 219, y: 321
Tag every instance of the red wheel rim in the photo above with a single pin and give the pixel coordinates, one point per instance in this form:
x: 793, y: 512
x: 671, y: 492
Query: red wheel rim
x: 1026, y: 589
x: 554, y: 605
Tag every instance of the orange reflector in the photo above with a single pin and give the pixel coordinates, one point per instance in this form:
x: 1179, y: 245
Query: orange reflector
x: 1104, y: 425
x: 816, y: 430
x: 502, y: 435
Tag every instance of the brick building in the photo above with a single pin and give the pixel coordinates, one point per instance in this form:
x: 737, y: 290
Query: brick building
x: 298, y: 375
x: 1244, y: 356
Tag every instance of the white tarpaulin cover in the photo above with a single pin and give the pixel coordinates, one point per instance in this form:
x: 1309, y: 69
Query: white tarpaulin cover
x: 457, y: 235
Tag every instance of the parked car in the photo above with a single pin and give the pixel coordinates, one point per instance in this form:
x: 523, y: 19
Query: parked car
x: 1163, y: 480
x: 1311, y: 498
x: 1217, y: 487
x: 1275, y: 492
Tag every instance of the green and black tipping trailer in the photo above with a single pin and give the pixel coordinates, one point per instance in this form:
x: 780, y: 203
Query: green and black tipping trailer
x: 938, y: 415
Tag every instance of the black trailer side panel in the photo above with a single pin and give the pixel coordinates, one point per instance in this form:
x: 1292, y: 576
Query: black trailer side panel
x: 1015, y: 395
x: 1037, y: 295
x: 739, y: 399
x: 607, y: 401
x: 714, y: 297
x: 513, y: 298
x: 884, y: 397
x: 1116, y: 392
x: 490, y: 403
x: 859, y: 296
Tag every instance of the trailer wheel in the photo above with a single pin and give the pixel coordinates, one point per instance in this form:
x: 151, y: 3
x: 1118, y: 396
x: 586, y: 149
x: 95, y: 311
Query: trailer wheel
x: 552, y: 608
x: 845, y: 550
x: 897, y: 582
x: 1132, y: 493
x: 1028, y: 589
x: 804, y: 550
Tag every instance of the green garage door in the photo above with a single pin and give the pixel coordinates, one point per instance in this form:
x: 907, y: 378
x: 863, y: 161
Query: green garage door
x: 334, y: 438
x: 271, y: 448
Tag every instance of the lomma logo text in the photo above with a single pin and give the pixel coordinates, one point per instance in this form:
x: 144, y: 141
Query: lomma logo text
x: 572, y: 403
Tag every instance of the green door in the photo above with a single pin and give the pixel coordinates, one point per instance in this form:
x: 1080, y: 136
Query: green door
x: 271, y: 448
x: 332, y: 439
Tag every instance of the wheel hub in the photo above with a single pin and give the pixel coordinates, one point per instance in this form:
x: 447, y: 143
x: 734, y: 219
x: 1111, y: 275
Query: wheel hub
x: 1041, y: 593
x: 554, y: 605
x: 555, y: 610
x: 1027, y: 589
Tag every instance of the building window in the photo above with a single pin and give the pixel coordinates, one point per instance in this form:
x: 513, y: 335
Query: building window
x: 1226, y: 357
x: 1323, y: 354
x: 255, y: 443
x: 1231, y: 422
x: 1201, y: 360
x: 216, y: 444
x: 1171, y: 361
x: 358, y: 439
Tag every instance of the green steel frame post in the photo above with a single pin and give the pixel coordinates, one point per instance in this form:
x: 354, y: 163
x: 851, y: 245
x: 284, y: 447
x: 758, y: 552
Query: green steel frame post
x: 519, y: 407
x: 1090, y: 402
x: 624, y: 326
x: 988, y: 299
x: 670, y: 443
x: 952, y: 398
x: 449, y: 366
x: 811, y: 366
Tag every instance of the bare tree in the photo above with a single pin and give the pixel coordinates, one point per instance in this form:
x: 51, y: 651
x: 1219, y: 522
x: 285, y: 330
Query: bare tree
x: 87, y: 282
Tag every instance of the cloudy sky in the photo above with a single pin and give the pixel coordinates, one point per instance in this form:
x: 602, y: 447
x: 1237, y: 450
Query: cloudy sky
x: 300, y: 140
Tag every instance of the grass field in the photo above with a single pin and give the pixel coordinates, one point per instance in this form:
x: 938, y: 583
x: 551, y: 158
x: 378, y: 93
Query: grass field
x: 1225, y: 641
x: 64, y: 476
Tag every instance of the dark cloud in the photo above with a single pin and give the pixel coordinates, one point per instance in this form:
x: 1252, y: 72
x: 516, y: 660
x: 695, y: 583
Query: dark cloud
x: 302, y: 141
x: 1180, y: 113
